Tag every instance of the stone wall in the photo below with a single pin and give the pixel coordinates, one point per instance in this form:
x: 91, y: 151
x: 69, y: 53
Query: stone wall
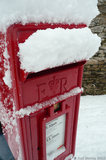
x: 94, y: 79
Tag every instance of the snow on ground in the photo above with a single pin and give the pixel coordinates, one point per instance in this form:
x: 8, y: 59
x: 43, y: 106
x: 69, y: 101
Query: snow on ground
x: 91, y: 134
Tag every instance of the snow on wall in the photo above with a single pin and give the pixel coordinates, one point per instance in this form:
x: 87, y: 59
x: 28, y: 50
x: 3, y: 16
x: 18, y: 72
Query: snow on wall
x: 63, y: 11
x: 54, y: 47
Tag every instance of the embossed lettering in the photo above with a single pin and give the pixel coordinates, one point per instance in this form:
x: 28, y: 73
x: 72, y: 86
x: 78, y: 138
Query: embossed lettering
x: 53, y: 87
x: 63, y: 85
x: 42, y: 92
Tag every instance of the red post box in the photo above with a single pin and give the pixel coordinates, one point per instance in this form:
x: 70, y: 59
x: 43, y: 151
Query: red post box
x: 48, y: 132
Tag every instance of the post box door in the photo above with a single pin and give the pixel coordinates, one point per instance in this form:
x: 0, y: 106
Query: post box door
x: 61, y: 123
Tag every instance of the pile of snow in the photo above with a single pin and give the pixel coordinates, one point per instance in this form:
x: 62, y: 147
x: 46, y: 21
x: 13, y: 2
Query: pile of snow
x: 50, y: 11
x: 54, y: 47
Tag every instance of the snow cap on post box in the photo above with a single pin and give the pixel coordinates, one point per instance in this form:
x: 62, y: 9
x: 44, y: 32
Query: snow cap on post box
x: 55, y: 47
x: 62, y: 12
x: 47, y: 11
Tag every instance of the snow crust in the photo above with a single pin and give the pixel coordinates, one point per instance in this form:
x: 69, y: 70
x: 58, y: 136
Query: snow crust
x: 18, y: 140
x: 7, y: 77
x: 9, y: 122
x: 31, y: 109
x: 6, y: 119
x: 53, y: 47
x: 58, y: 11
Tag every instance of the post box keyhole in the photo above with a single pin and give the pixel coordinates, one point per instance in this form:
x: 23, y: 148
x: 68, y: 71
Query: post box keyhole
x: 57, y: 107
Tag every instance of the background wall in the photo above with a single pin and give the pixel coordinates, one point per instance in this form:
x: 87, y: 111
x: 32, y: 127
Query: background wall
x: 94, y: 79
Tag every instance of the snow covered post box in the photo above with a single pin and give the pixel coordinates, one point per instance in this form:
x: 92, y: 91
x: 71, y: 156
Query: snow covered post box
x: 40, y: 107
x: 43, y: 47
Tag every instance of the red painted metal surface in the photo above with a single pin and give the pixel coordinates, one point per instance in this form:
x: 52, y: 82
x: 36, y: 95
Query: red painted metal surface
x: 4, y: 89
x: 32, y: 88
